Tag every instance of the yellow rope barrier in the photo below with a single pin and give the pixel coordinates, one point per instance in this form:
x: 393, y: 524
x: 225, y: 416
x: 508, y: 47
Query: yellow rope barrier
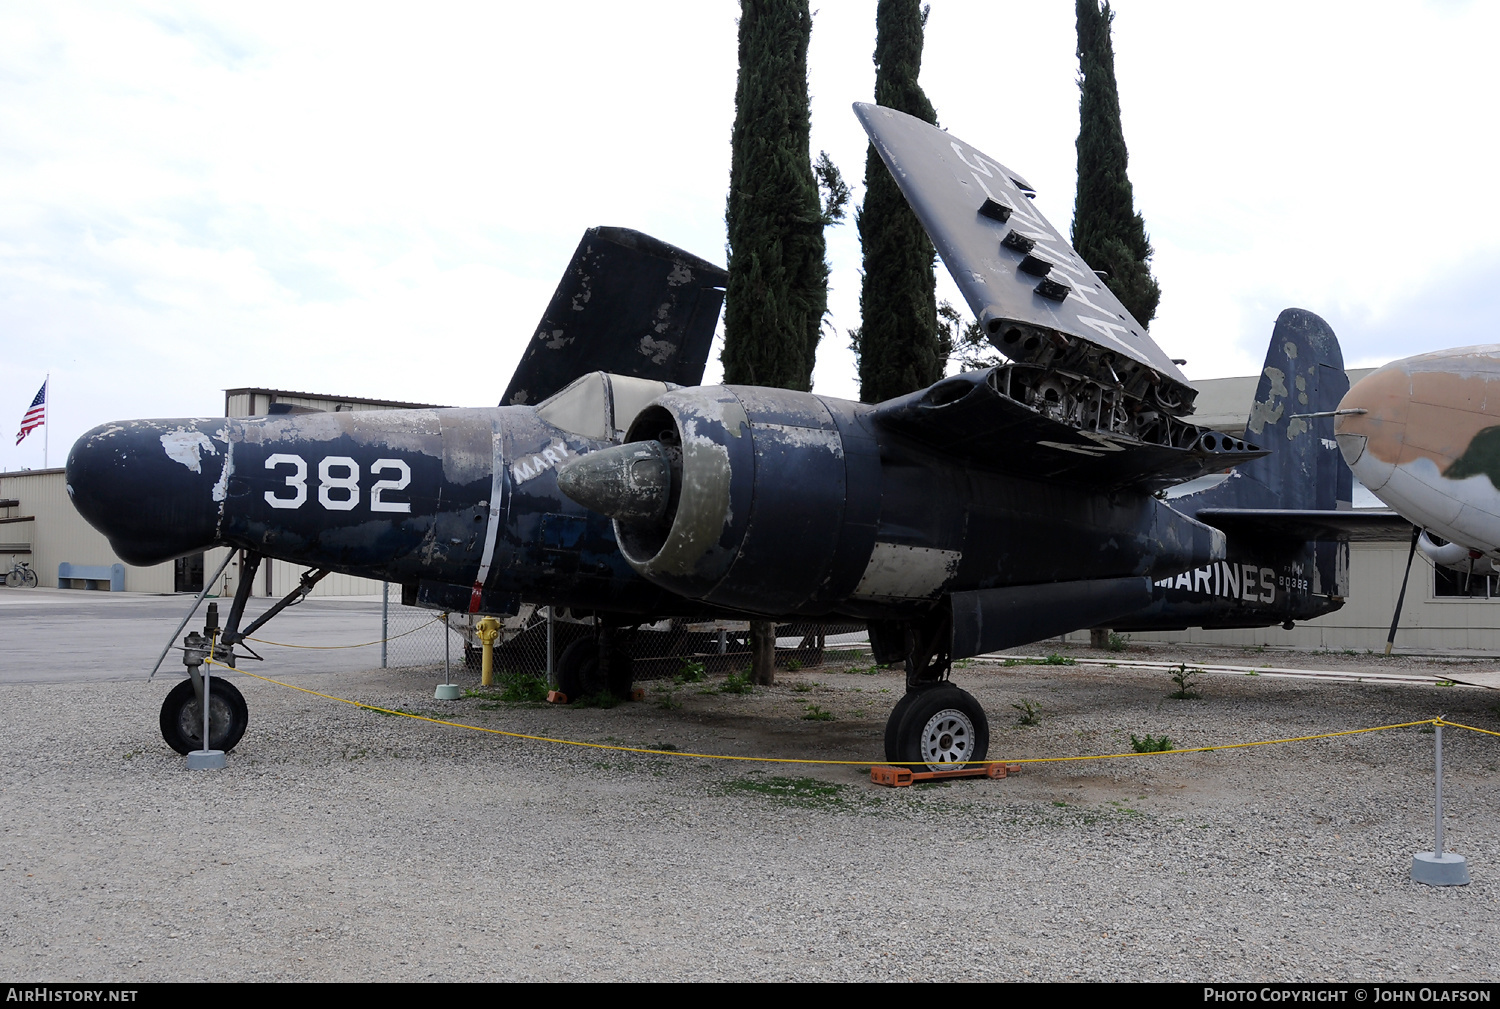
x: 850, y: 763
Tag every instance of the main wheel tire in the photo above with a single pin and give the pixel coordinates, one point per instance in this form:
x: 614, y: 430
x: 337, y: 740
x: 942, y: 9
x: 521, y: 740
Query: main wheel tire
x: 28, y: 578
x: 943, y: 728
x: 893, y: 725
x: 182, y: 718
x: 578, y: 673
x: 578, y: 669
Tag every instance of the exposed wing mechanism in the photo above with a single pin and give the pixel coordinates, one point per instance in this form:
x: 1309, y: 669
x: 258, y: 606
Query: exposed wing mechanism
x: 1049, y: 425
x: 628, y: 304
x: 1036, y: 299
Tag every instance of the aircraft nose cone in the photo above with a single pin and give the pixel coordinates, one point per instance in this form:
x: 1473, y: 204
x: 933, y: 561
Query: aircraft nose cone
x: 630, y: 483
x: 154, y: 488
x: 1371, y: 441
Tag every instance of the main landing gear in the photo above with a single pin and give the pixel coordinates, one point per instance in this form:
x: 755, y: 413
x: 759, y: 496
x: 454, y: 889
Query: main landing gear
x: 936, y: 726
x: 594, y: 665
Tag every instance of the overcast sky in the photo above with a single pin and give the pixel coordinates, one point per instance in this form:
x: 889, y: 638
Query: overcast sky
x: 377, y: 200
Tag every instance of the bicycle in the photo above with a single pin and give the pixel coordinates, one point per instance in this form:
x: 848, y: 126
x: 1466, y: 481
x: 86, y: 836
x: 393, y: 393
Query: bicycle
x: 20, y: 574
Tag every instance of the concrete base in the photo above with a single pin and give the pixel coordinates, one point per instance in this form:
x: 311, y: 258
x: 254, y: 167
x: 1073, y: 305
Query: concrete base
x: 448, y: 692
x: 1439, y: 870
x: 214, y: 760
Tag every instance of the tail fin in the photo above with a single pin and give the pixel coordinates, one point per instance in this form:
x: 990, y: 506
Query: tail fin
x: 1303, y: 374
x: 628, y: 304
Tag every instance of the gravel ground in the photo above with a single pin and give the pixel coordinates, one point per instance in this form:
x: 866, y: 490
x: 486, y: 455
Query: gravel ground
x: 343, y: 844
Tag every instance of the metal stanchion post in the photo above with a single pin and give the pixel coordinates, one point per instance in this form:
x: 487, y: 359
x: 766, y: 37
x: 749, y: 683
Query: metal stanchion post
x: 198, y: 649
x: 447, y: 690
x: 551, y: 668
x: 1437, y: 867
x: 385, y: 619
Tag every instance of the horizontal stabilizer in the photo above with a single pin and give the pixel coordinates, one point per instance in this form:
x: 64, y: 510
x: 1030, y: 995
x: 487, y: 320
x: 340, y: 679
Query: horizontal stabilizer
x: 988, y: 620
x: 628, y: 304
x: 1308, y: 524
x: 1005, y: 420
x: 1036, y: 299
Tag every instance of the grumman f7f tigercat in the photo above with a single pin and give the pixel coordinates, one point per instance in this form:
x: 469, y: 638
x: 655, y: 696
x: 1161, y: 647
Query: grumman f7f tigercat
x: 992, y: 509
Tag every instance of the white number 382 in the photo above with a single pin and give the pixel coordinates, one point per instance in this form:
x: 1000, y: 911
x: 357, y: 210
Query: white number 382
x: 338, y: 483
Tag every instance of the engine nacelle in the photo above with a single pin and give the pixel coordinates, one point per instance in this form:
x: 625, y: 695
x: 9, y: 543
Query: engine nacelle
x: 757, y: 506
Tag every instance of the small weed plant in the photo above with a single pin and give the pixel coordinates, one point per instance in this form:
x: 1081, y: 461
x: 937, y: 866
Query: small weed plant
x: 1150, y: 743
x: 1117, y: 642
x: 519, y: 687
x: 738, y: 683
x: 805, y: 792
x: 817, y: 714
x: 792, y: 665
x: 690, y: 672
x: 1031, y: 712
x: 1186, y: 680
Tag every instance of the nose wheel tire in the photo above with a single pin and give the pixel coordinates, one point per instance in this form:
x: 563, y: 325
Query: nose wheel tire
x: 939, y: 729
x: 182, y: 717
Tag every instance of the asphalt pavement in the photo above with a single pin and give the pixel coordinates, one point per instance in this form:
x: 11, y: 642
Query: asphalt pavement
x: 73, y: 636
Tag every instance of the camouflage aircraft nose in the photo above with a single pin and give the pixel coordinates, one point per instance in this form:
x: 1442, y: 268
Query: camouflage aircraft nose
x: 1371, y: 426
x: 631, y: 483
x: 154, y: 488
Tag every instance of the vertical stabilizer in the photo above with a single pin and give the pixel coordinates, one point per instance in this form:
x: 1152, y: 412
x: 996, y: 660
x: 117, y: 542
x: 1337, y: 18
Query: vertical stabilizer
x: 1303, y: 374
x: 628, y: 304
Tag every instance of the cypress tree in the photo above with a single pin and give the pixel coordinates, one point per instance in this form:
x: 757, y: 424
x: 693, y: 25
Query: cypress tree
x: 898, y: 344
x: 1107, y: 231
x: 778, y: 279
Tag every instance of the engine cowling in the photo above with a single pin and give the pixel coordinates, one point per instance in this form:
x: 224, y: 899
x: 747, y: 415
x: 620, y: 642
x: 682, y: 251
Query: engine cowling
x: 756, y: 511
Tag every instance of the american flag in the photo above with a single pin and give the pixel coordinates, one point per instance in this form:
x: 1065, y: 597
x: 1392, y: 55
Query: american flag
x: 36, y: 415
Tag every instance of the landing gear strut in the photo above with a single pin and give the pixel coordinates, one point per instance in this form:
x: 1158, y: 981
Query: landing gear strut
x: 936, y: 725
x: 228, y: 715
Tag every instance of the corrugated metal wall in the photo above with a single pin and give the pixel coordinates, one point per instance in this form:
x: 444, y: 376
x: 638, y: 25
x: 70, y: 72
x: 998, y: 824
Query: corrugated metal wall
x: 60, y: 534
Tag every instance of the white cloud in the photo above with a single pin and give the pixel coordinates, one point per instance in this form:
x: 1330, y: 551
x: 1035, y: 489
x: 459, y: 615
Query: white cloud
x: 376, y: 199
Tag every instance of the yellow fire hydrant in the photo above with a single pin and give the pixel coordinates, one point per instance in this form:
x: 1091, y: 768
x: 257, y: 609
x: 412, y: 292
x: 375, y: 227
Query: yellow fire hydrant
x: 488, y: 630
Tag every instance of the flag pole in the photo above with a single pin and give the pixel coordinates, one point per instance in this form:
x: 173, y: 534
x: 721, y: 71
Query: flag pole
x: 47, y: 433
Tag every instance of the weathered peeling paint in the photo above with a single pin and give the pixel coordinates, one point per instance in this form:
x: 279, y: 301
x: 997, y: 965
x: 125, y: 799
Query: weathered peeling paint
x: 221, y: 485
x: 897, y: 571
x: 732, y: 414
x: 186, y: 445
x: 1270, y: 411
x: 805, y: 437
x: 657, y: 350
